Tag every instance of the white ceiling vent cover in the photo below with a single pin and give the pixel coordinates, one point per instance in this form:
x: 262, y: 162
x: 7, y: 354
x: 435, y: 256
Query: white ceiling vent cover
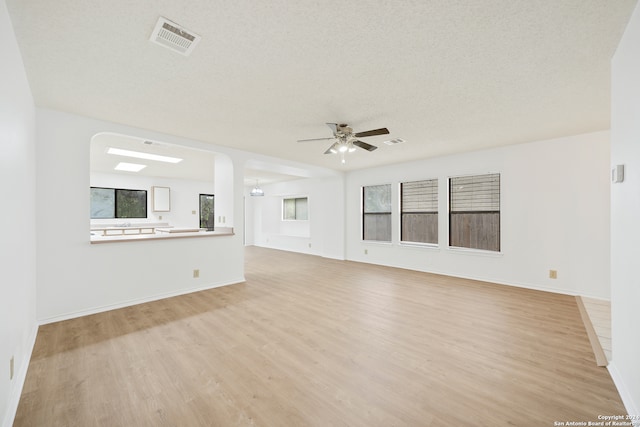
x: 174, y: 37
x: 394, y: 141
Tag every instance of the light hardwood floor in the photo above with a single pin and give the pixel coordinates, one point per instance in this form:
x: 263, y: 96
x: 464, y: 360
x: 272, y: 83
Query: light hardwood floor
x: 307, y: 341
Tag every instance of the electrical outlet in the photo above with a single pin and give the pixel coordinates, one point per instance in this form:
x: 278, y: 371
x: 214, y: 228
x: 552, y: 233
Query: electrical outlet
x: 160, y: 217
x: 366, y: 251
x: 193, y: 212
x: 196, y: 273
x: 553, y: 274
x: 11, y: 368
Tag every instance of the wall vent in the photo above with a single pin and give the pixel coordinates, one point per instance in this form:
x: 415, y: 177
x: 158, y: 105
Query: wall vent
x: 174, y: 37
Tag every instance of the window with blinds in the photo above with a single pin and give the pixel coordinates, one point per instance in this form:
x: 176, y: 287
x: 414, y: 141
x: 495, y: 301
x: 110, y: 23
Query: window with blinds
x: 376, y: 213
x: 474, y: 212
x: 419, y: 211
x: 295, y: 209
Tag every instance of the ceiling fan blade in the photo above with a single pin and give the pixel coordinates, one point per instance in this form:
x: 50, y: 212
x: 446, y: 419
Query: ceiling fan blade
x: 381, y: 131
x: 315, y: 139
x: 364, y: 145
x: 333, y: 147
x: 334, y: 127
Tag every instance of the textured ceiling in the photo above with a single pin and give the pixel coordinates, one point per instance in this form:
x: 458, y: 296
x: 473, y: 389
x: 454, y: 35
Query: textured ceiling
x: 447, y: 76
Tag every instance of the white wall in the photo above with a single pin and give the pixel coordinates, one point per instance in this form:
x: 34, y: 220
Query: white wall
x: 184, y: 197
x: 625, y: 216
x: 224, y: 192
x: 554, y: 215
x: 322, y: 234
x: 17, y: 214
x: 76, y: 277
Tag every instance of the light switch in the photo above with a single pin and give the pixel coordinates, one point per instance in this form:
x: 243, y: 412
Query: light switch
x: 617, y: 174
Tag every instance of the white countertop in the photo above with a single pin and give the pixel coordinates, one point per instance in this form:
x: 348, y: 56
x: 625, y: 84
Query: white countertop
x: 176, y: 233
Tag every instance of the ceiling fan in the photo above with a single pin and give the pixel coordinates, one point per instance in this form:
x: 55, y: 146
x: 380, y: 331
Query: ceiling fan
x: 346, y: 140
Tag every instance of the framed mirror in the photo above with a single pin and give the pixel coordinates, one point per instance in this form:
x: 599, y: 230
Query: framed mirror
x: 161, y: 199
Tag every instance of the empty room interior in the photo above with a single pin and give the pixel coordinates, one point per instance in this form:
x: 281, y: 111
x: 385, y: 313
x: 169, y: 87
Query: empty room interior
x: 319, y: 213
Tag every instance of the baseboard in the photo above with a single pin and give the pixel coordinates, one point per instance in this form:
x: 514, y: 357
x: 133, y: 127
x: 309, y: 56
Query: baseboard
x: 20, y: 378
x: 286, y: 248
x: 515, y: 284
x: 632, y: 407
x: 129, y: 303
x: 441, y: 273
x: 475, y: 278
x: 313, y: 253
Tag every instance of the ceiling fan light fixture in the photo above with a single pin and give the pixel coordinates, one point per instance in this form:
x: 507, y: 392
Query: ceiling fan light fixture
x: 345, y: 140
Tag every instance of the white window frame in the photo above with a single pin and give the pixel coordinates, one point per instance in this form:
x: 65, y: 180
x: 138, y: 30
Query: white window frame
x: 363, y: 213
x: 294, y: 198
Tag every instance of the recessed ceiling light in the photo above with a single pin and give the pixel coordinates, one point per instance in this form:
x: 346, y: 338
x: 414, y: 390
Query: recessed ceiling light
x: 129, y: 167
x: 141, y: 155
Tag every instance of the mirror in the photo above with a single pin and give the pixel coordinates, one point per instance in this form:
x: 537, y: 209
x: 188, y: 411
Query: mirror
x: 161, y: 199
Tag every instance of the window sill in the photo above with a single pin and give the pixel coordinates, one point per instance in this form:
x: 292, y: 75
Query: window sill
x: 417, y: 245
x: 470, y: 251
x: 295, y: 236
x: 175, y: 234
x: 376, y: 242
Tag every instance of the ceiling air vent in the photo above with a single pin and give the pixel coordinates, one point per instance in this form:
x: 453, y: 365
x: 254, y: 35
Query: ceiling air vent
x: 174, y: 37
x: 394, y: 141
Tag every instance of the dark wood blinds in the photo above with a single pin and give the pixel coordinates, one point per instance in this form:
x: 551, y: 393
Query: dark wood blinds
x: 474, y: 216
x: 419, y: 211
x: 479, y: 193
x: 420, y: 196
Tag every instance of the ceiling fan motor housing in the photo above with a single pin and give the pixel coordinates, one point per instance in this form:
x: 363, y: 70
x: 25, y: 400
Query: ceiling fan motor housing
x: 344, y: 129
x: 346, y: 140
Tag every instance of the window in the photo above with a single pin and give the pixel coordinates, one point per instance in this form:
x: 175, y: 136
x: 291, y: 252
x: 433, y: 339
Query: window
x: 295, y: 209
x: 118, y: 203
x: 474, y: 215
x: 207, y: 211
x: 419, y: 211
x: 376, y: 213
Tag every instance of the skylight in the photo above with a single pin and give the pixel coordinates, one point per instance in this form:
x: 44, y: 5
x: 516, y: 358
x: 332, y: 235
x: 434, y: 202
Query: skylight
x: 141, y: 155
x: 129, y: 167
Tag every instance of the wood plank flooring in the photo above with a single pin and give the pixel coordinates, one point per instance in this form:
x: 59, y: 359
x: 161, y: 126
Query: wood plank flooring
x: 307, y: 341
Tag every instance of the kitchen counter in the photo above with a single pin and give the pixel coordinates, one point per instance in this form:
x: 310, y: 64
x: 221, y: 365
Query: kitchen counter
x: 98, y: 236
